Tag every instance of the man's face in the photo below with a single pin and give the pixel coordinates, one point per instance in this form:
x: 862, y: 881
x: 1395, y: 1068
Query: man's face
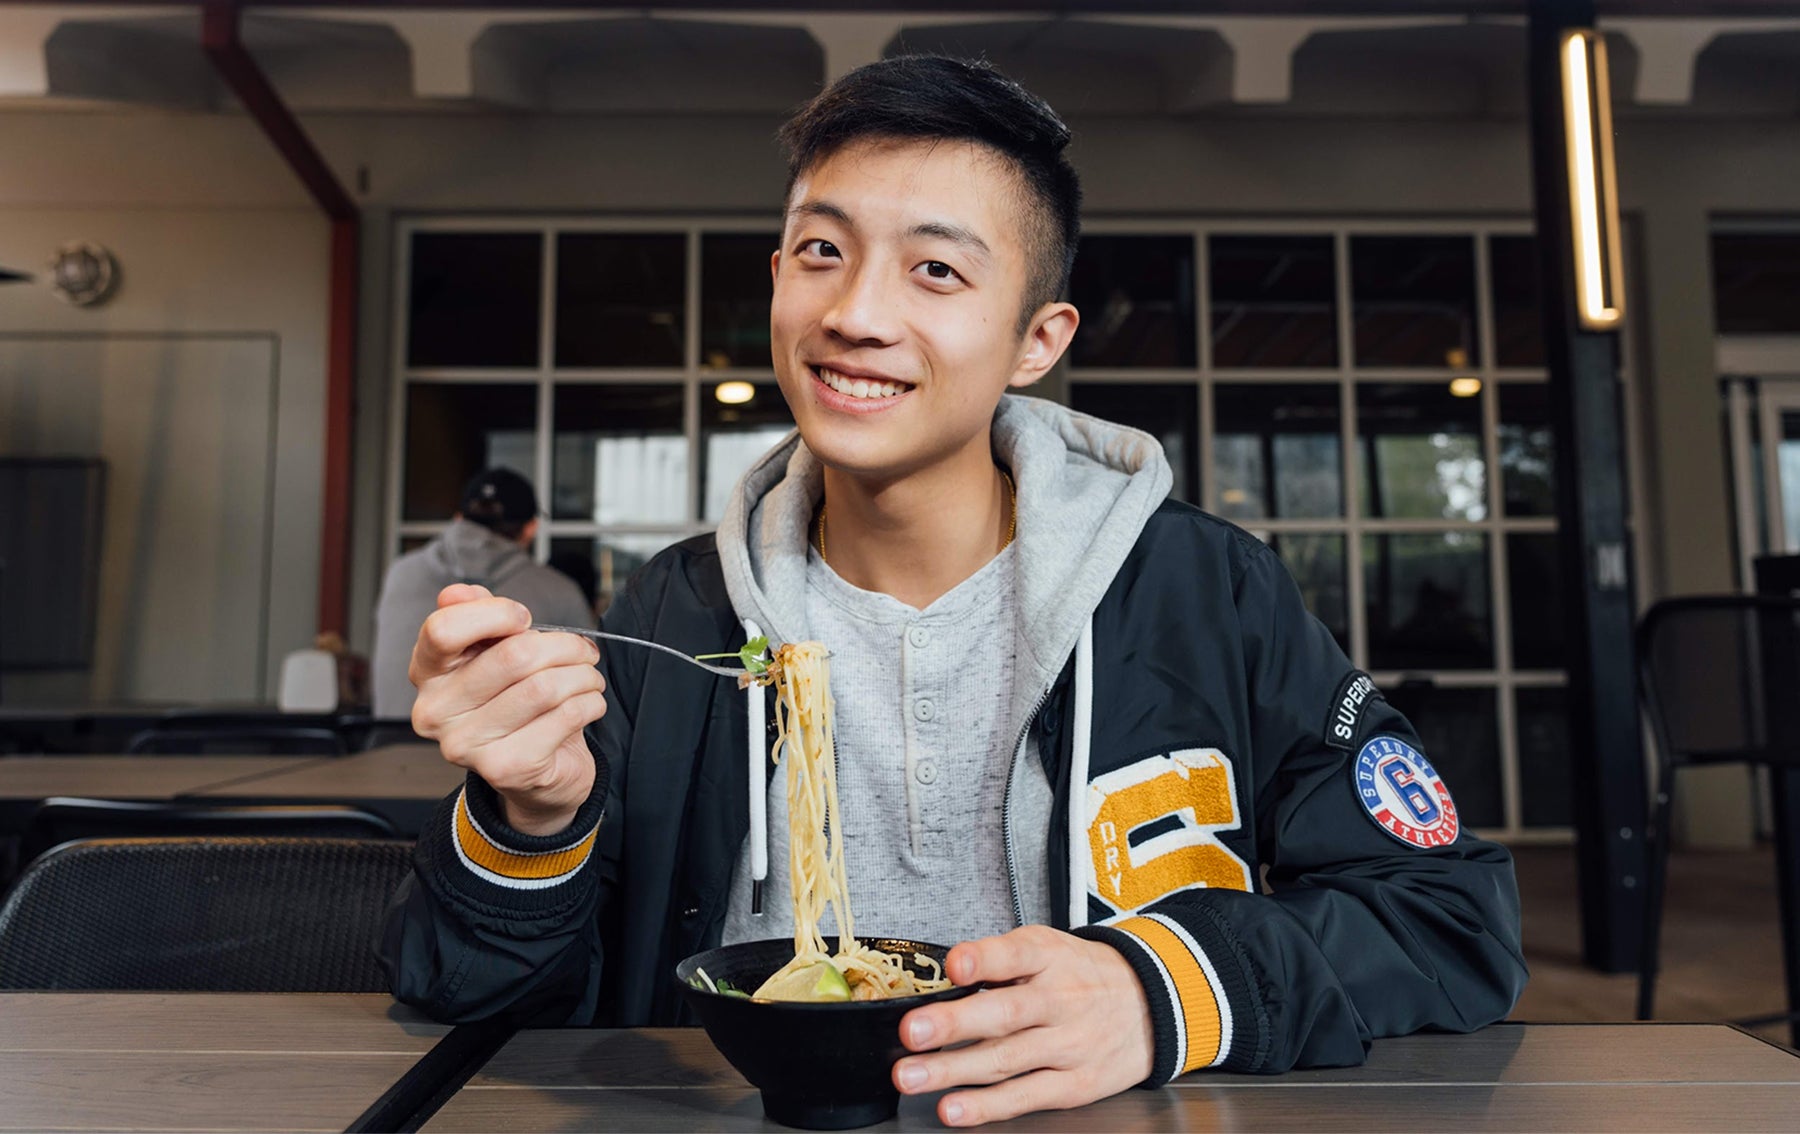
x: 895, y: 316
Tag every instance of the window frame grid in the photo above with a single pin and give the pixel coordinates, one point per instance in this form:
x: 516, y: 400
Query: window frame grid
x: 1503, y: 679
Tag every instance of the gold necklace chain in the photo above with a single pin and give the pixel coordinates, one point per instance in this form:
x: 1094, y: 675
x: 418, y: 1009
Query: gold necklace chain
x: 1012, y: 527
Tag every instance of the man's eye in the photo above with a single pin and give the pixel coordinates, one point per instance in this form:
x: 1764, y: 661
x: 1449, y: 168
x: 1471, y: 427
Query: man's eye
x: 820, y: 248
x: 938, y: 270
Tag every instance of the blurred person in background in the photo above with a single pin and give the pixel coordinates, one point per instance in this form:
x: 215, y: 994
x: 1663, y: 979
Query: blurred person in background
x: 488, y: 543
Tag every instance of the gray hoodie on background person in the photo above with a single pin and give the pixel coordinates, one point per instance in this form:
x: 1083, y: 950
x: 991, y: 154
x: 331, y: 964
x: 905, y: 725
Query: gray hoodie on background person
x: 466, y: 552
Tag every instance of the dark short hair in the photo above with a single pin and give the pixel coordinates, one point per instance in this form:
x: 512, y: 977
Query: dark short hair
x: 936, y: 97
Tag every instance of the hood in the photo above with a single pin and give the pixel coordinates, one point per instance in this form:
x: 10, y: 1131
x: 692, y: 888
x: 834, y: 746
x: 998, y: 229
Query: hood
x: 1086, y: 488
x: 471, y: 553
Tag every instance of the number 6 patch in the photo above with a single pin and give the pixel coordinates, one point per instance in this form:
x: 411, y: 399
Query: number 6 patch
x: 1403, y: 793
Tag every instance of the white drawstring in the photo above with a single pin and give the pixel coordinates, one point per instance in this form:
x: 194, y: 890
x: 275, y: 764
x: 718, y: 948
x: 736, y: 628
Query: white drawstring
x: 759, y: 786
x: 1080, y: 857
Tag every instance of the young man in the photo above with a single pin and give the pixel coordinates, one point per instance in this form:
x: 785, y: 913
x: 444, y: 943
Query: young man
x: 1075, y: 721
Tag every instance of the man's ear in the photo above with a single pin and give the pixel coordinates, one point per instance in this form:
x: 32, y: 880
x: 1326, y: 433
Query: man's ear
x: 528, y: 533
x: 774, y: 265
x: 1045, y: 341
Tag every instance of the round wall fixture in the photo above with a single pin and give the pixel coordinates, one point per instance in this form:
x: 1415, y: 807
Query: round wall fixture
x: 84, y: 273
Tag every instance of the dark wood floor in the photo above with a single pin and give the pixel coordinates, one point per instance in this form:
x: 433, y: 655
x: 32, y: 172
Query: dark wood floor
x: 1721, y: 944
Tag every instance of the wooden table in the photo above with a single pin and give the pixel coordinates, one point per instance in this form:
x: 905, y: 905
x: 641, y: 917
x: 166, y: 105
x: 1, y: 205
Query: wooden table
x: 191, y: 1061
x: 402, y: 782
x: 26, y: 781
x: 1628, y: 1077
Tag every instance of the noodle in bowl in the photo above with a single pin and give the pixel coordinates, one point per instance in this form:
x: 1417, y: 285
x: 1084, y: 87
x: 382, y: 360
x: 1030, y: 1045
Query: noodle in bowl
x: 812, y: 1021
x: 820, y: 1066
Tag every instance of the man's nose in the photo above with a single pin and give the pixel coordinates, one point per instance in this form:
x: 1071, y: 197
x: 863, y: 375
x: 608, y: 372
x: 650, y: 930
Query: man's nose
x: 864, y: 310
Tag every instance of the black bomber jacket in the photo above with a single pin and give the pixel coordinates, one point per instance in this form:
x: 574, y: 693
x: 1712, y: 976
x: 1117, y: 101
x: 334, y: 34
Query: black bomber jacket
x: 1259, y: 832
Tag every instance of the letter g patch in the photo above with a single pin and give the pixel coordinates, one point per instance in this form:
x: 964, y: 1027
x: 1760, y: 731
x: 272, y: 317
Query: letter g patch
x: 1176, y: 805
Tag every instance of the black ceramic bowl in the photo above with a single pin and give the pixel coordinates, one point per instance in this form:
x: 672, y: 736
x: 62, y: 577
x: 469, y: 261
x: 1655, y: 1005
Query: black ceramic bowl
x: 819, y: 1066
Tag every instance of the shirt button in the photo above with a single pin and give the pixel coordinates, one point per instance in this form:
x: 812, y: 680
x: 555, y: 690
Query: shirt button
x: 924, y: 709
x: 919, y: 637
x: 925, y: 772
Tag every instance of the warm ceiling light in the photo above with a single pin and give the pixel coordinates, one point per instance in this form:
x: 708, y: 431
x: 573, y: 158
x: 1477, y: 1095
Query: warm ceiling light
x: 735, y: 393
x: 1593, y: 190
x: 1465, y: 387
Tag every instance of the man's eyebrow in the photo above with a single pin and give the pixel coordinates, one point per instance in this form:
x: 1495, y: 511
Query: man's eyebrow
x: 825, y: 210
x: 955, y: 234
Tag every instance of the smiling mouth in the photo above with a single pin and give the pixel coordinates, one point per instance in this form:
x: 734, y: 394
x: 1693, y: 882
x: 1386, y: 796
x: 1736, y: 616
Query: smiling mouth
x: 871, y: 390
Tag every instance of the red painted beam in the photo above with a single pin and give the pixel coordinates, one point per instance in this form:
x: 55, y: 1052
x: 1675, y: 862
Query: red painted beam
x: 221, y: 41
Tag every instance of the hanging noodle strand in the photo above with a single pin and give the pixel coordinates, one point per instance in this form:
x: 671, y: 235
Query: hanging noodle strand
x: 802, y: 677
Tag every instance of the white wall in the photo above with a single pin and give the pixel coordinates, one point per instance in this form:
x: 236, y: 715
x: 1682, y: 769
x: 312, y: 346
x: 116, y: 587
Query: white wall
x: 213, y: 239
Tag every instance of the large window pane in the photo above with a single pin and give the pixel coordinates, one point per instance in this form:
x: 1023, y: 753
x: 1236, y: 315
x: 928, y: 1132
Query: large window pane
x: 1168, y: 412
x: 732, y: 436
x: 735, y: 290
x: 1546, y: 792
x: 1756, y: 283
x: 620, y: 298
x: 1534, y: 589
x: 1527, y: 450
x: 1419, y: 453
x: 1277, y: 451
x: 1317, y: 564
x: 1273, y: 301
x: 620, y: 455
x: 1428, y: 604
x: 456, y: 429
x: 611, y: 558
x: 1461, y: 736
x: 1136, y: 295
x: 473, y: 298
x: 1518, y: 310
x: 1413, y: 299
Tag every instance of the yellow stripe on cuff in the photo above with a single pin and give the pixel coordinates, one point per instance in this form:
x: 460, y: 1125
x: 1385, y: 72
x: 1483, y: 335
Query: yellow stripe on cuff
x: 1199, y: 1005
x: 488, y: 855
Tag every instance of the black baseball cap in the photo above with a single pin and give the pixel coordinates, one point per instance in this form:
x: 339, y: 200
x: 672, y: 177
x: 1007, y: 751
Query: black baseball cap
x: 499, y: 495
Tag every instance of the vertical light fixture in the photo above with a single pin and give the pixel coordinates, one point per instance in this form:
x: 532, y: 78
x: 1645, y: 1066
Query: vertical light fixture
x: 1593, y: 189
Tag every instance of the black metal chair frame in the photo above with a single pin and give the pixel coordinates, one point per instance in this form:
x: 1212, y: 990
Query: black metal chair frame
x: 239, y: 915
x: 294, y: 741
x: 115, y: 818
x: 1780, y: 751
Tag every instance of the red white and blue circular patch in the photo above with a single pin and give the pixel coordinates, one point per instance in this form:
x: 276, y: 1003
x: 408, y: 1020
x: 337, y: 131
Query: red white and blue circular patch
x: 1403, y: 793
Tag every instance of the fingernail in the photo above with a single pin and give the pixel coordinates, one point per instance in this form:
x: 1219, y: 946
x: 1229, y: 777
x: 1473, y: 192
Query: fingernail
x: 912, y: 1076
x: 953, y: 1112
x: 922, y: 1031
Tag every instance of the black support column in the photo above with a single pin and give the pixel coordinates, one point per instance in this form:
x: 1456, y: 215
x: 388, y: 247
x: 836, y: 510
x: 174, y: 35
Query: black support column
x: 1609, y: 778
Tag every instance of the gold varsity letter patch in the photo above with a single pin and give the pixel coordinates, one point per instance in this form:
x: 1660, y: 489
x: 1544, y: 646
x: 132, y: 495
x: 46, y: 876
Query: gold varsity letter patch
x: 1192, y: 795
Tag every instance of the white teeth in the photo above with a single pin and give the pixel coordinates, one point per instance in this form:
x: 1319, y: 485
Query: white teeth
x: 860, y: 387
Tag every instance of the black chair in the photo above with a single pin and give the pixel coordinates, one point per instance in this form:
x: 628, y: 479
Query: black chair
x: 265, y: 740
x: 1719, y: 676
x: 63, y: 819
x: 209, y: 915
x: 378, y: 732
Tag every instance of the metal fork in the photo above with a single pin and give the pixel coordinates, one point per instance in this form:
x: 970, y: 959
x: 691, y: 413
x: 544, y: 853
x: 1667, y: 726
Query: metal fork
x: 722, y: 671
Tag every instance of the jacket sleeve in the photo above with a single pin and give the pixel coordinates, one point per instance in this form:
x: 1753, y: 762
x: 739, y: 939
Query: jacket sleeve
x: 1361, y: 935
x: 493, y: 922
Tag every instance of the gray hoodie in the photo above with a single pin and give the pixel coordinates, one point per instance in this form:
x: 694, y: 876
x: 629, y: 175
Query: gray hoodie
x: 465, y: 553
x: 1085, y: 488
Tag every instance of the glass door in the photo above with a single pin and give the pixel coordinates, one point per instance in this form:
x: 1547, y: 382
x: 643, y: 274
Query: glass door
x: 1779, y: 429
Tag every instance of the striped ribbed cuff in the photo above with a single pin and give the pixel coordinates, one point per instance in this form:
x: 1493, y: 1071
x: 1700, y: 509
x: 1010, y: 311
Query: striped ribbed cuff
x: 1189, y: 1010
x: 514, y: 869
x: 470, y: 856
